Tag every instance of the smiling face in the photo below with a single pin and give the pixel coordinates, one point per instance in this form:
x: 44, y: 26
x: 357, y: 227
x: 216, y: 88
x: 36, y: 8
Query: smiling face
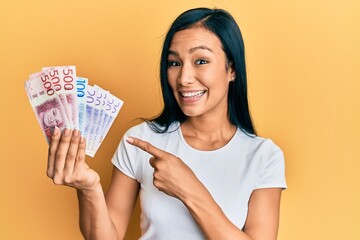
x: 198, y: 73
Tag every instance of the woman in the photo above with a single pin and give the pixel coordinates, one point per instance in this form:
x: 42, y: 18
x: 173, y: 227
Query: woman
x: 201, y: 171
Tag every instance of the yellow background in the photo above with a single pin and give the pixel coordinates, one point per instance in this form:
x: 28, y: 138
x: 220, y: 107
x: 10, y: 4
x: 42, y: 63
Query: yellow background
x: 303, y: 60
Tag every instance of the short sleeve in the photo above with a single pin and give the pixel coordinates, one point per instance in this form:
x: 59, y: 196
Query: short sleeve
x: 126, y: 156
x: 272, y: 174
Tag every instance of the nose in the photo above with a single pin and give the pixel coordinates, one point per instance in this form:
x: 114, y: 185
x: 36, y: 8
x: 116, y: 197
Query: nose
x: 186, y: 76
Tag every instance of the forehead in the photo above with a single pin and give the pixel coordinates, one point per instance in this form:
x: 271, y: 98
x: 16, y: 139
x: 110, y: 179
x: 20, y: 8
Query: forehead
x: 187, y: 39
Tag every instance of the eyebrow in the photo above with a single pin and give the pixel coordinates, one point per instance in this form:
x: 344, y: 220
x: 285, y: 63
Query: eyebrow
x: 191, y: 50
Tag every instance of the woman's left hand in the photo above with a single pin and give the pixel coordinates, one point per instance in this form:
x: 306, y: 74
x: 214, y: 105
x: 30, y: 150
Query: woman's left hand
x: 171, y: 175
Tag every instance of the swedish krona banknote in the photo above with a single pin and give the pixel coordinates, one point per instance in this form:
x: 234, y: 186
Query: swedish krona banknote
x: 62, y: 99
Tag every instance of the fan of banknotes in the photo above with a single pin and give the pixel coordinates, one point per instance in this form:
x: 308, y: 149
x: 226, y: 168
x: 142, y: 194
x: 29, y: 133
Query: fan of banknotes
x: 60, y: 98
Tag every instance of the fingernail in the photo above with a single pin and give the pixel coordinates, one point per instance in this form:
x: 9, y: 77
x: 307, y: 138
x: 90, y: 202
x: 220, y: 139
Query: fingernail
x: 76, y: 133
x: 82, y: 139
x: 129, y: 139
x: 54, y: 130
x: 66, y: 132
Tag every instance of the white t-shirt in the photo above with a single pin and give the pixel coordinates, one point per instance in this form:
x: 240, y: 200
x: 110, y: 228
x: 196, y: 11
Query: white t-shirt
x: 230, y: 174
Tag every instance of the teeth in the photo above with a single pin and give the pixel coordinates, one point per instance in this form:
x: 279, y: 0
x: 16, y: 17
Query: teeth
x: 193, y: 94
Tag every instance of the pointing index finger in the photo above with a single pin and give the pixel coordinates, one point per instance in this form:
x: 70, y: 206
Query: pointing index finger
x: 145, y: 146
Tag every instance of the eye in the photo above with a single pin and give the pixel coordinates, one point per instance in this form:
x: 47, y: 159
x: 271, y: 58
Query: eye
x: 201, y: 61
x: 173, y: 63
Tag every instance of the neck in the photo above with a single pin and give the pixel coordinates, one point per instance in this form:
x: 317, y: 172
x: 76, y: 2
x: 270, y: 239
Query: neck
x: 208, y: 125
x: 207, y: 133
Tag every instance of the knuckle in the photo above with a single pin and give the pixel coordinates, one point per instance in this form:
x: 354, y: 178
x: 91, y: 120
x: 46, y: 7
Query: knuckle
x: 71, y: 155
x: 74, y: 140
x: 54, y: 139
x: 82, y: 145
x: 80, y: 157
x: 57, y: 172
x: 147, y: 147
x: 156, y: 175
x: 77, y: 181
x: 158, y: 185
x: 49, y: 174
x: 65, y: 138
x: 57, y: 180
x: 68, y: 179
x: 59, y: 155
x: 51, y: 151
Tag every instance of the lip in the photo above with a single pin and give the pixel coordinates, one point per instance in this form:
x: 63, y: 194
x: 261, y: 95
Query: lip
x: 191, y: 96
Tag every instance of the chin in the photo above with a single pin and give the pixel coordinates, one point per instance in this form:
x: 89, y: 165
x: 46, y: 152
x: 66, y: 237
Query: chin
x: 191, y: 113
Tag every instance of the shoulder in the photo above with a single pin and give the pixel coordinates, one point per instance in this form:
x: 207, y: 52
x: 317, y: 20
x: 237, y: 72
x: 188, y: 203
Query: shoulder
x: 265, y: 159
x: 258, y: 145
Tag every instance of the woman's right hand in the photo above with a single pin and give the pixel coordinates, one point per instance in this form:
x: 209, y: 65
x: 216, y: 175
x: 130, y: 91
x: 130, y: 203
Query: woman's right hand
x: 66, y: 161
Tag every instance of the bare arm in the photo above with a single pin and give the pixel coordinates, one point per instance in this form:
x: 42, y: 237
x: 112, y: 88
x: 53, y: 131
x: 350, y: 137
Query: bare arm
x: 108, y: 218
x: 121, y: 199
x: 94, y: 219
x: 263, y: 215
x: 66, y: 166
x: 262, y: 220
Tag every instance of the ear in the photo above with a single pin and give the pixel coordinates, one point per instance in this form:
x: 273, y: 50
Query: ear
x: 231, y: 72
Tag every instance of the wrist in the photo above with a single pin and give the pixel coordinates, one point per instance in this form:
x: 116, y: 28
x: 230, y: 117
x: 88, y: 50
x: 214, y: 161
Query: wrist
x: 195, y: 196
x: 91, y: 191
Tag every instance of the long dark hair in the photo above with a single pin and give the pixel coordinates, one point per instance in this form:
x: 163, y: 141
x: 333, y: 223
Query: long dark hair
x: 224, y: 26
